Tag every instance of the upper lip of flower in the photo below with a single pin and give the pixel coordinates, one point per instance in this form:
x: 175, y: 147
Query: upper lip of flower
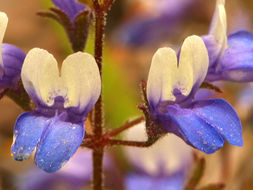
x: 167, y: 75
x: 79, y: 84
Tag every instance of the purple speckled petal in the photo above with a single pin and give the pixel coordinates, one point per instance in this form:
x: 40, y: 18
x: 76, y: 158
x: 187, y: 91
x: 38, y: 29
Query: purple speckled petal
x: 192, y: 129
x: 221, y: 115
x: 13, y: 59
x: 237, y: 62
x: 71, y: 7
x: 58, y: 144
x: 27, y: 133
x: 205, y: 124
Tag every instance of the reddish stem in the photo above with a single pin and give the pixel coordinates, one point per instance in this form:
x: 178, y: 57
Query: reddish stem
x: 141, y: 144
x: 97, y: 114
x: 124, y: 127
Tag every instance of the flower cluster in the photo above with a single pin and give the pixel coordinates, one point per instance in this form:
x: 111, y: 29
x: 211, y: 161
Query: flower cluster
x: 203, y: 124
x: 174, y: 80
x: 63, y: 97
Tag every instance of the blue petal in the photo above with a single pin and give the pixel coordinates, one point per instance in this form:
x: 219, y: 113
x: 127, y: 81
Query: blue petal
x: 13, y: 59
x: 27, y: 133
x: 59, y: 142
x: 71, y: 7
x: 204, y: 125
x: 221, y: 115
x: 237, y: 62
x: 192, y: 129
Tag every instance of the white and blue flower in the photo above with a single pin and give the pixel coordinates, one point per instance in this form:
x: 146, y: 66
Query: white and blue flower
x: 172, y: 83
x: 63, y: 100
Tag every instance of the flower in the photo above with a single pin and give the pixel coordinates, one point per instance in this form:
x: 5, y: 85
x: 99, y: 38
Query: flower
x: 71, y: 8
x: 74, y: 176
x: 171, y: 86
x: 154, y: 25
x: 161, y: 166
x: 56, y: 128
x: 11, y: 59
x: 230, y: 58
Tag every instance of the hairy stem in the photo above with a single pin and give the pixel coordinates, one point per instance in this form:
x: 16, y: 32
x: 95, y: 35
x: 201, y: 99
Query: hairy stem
x: 98, y: 169
x: 97, y: 114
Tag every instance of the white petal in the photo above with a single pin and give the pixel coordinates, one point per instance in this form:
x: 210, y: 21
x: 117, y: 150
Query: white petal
x: 40, y: 77
x: 218, y: 28
x: 79, y: 83
x: 81, y: 76
x: 166, y: 75
x: 162, y: 155
x: 3, y: 26
x: 162, y: 69
x: 194, y: 62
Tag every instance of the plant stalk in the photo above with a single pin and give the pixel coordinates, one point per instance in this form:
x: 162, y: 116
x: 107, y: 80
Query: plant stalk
x: 97, y: 114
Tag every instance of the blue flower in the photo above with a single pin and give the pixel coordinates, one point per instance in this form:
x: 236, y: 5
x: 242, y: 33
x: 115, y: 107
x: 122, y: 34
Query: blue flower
x: 11, y: 59
x: 74, y: 176
x: 153, y: 27
x: 230, y: 58
x: 159, y: 167
x: 71, y: 8
x: 172, y: 84
x: 63, y: 100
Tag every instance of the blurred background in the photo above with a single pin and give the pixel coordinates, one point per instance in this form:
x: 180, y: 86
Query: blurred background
x: 135, y: 29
